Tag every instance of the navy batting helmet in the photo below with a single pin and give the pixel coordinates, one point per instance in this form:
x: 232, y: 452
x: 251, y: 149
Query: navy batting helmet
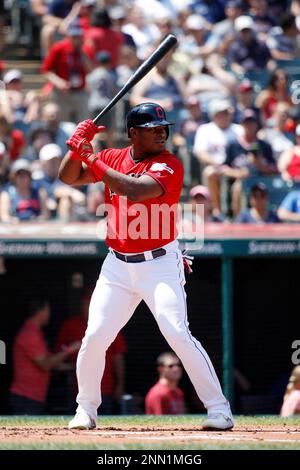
x: 147, y: 115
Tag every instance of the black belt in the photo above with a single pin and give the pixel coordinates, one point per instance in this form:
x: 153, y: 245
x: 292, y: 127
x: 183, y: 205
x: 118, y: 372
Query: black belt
x: 140, y: 257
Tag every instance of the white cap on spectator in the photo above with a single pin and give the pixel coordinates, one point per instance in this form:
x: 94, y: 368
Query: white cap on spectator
x: 13, y: 74
x: 21, y: 164
x: 88, y: 3
x: 50, y: 151
x: 297, y: 130
x: 244, y: 22
x: 117, y: 13
x: 196, y: 22
x: 217, y: 106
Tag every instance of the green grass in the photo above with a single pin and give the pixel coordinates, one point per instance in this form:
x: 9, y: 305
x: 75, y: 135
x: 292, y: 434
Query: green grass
x: 140, y: 420
x: 148, y: 421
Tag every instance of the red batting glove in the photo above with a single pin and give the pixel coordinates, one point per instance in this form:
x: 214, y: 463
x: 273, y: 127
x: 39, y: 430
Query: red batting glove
x: 87, y: 130
x: 81, y: 148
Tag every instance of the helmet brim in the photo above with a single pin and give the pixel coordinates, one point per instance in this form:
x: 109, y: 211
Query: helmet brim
x: 162, y: 122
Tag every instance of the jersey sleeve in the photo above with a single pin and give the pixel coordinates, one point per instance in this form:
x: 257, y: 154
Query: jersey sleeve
x: 168, y: 173
x: 50, y: 61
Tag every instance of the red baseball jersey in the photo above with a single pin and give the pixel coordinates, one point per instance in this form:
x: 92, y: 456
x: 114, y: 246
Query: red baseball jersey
x: 134, y: 227
x: 30, y: 380
x: 161, y: 400
x: 66, y: 62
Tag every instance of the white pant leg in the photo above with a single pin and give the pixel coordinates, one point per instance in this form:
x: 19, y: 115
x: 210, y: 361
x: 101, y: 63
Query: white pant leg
x: 112, y: 304
x: 163, y: 291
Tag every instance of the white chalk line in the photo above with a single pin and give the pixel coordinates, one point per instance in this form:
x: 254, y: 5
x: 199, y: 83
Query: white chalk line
x: 215, y: 437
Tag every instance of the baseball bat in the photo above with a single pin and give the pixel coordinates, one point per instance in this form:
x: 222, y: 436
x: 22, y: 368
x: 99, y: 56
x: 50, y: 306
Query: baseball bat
x: 143, y: 69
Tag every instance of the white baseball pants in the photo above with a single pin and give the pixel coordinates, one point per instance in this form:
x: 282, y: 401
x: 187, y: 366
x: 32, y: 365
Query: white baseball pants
x: 120, y: 288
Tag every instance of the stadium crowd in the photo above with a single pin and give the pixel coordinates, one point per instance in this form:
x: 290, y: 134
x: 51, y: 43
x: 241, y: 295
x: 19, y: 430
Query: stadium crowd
x: 230, y: 86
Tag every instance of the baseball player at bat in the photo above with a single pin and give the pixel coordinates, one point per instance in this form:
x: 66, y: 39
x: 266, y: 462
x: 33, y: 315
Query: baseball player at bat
x: 142, y: 188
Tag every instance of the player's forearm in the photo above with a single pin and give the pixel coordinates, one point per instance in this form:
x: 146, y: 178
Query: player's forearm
x: 69, y: 170
x: 134, y: 188
x: 122, y: 185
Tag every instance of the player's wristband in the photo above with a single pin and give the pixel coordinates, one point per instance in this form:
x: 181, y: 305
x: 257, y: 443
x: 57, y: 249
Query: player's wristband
x: 98, y: 168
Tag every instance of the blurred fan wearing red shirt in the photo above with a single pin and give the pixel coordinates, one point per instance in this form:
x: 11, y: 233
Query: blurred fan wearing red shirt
x: 112, y: 385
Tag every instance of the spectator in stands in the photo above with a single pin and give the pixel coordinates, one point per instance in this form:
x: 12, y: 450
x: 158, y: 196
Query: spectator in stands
x: 277, y: 8
x: 283, y: 40
x: 39, y: 136
x: 101, y: 86
x: 259, y: 12
x: 279, y: 135
x: 289, y: 209
x: 289, y: 161
x: 245, y: 100
x: 33, y: 362
x: 156, y: 9
x: 211, y: 10
x: 195, y: 44
x: 258, y: 213
x: 183, y: 140
x: 58, y: 10
x: 246, y: 52
x: 63, y: 202
x: 118, y: 15
x: 223, y: 32
x: 247, y: 156
x: 101, y: 37
x: 113, y: 381
x: 13, y: 139
x: 66, y: 67
x: 276, y: 91
x: 210, y: 144
x: 198, y: 212
x: 291, y: 400
x: 161, y: 87
x: 165, y: 397
x: 38, y: 11
x: 61, y: 130
x: 20, y: 201
x: 295, y: 11
x: 19, y: 108
x: 127, y: 65
x: 143, y: 33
